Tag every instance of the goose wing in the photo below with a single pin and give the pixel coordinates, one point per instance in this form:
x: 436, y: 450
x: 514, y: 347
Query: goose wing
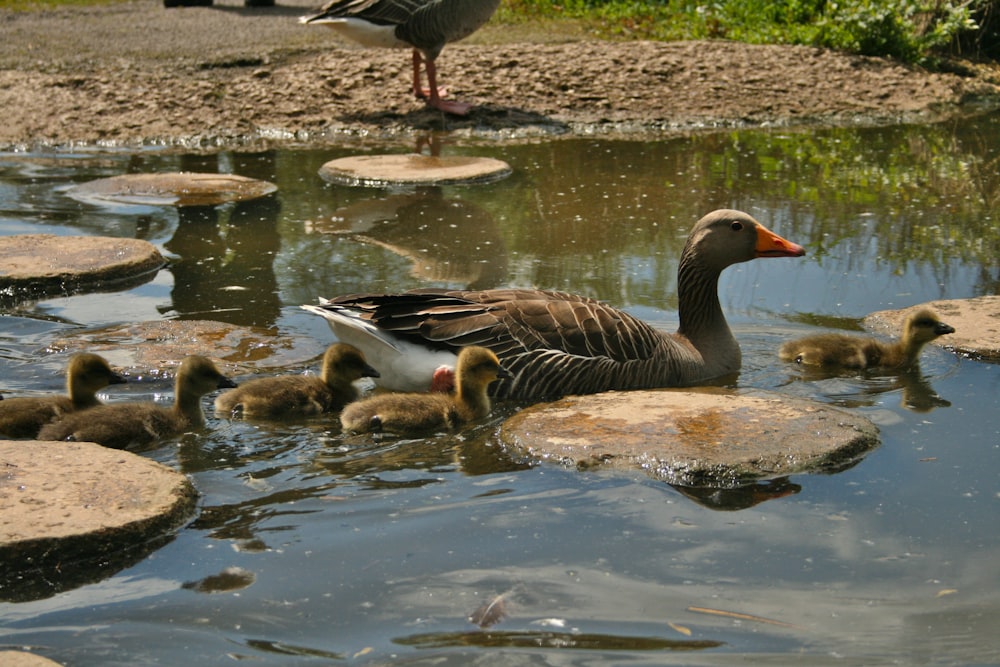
x: 380, y: 12
x: 552, y: 343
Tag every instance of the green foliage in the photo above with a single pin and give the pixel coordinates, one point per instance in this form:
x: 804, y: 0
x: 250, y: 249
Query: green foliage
x: 910, y: 30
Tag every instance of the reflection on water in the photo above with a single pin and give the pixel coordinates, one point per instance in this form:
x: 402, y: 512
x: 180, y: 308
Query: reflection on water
x: 314, y: 546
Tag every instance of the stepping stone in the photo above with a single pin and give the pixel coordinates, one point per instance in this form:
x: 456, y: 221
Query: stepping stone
x: 75, y: 512
x: 976, y: 322
x: 413, y: 169
x: 172, y: 189
x: 705, y: 437
x: 38, y: 265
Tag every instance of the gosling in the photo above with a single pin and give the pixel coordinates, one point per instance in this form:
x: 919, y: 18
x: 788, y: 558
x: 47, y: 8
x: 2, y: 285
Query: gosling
x: 299, y: 396
x: 853, y: 352
x: 125, y: 425
x: 86, y: 374
x: 415, y: 413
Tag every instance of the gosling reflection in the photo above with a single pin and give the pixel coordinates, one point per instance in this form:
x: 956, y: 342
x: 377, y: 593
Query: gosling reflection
x: 447, y: 240
x: 226, y: 272
x: 864, y: 388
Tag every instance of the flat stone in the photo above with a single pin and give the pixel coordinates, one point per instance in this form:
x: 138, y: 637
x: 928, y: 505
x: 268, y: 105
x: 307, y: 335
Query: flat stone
x: 976, y: 322
x: 155, y: 347
x: 172, y: 189
x: 413, y: 169
x: 75, y: 512
x: 22, y: 659
x: 703, y: 437
x: 35, y: 265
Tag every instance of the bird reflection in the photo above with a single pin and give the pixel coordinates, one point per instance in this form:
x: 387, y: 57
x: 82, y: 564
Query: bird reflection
x: 447, y: 240
x: 917, y: 392
x: 740, y: 497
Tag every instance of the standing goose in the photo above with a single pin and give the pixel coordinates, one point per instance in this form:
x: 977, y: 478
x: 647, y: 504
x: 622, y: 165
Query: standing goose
x: 296, y: 396
x: 412, y: 413
x: 423, y: 25
x: 836, y: 349
x: 120, y: 425
x: 86, y: 374
x: 555, y: 343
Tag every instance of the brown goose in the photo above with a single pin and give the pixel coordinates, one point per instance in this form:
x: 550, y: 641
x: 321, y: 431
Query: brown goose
x: 120, y: 425
x: 555, y: 343
x: 86, y: 374
x: 845, y: 351
x: 423, y: 25
x: 297, y: 396
x: 411, y: 413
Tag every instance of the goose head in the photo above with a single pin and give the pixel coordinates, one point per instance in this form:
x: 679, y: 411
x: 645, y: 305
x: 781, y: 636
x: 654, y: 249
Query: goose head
x: 198, y: 376
x: 924, y: 326
x: 88, y: 373
x: 478, y: 367
x: 346, y: 362
x: 726, y: 237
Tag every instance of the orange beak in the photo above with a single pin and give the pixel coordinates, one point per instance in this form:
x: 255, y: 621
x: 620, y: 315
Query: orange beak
x: 770, y: 244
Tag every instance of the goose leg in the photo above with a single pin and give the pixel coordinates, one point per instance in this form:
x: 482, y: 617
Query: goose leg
x: 432, y: 93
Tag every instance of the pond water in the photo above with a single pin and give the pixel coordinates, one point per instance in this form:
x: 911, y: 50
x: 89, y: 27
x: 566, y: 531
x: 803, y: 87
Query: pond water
x: 312, y: 548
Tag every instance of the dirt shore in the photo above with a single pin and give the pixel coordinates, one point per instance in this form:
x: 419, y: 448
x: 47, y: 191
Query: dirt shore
x: 137, y: 73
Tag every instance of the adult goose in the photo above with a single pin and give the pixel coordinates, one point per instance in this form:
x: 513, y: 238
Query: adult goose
x: 121, y: 425
x: 86, y: 374
x: 414, y: 413
x: 297, y: 396
x: 845, y: 351
x: 423, y: 25
x: 555, y: 343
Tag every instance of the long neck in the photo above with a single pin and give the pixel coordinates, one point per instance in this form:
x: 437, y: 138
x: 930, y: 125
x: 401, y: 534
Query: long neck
x: 188, y: 406
x: 81, y: 396
x: 473, y: 402
x: 702, y: 321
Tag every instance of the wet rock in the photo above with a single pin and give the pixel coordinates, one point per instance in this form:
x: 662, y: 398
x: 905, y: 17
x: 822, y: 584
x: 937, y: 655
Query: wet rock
x: 413, y: 169
x: 75, y: 512
x: 21, y: 659
x: 173, y: 189
x: 976, y: 322
x: 156, y: 347
x: 704, y: 437
x: 38, y: 265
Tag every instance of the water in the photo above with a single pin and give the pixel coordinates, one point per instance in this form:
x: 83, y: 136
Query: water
x: 312, y: 548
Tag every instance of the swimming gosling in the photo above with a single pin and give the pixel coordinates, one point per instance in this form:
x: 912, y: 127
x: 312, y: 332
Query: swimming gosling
x: 86, y: 374
x: 413, y: 413
x: 297, y: 396
x: 123, y: 425
x: 847, y: 351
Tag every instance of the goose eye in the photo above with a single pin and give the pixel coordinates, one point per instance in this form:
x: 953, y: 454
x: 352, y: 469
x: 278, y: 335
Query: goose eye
x: 736, y: 226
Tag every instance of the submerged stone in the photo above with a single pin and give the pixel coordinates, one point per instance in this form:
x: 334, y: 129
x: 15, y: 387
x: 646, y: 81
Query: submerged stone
x: 75, y: 512
x: 976, y: 322
x: 703, y: 437
x: 173, y: 189
x: 158, y: 346
x: 39, y: 265
x: 413, y: 169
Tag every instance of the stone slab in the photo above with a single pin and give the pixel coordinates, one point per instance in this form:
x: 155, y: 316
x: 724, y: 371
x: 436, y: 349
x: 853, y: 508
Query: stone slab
x: 413, y: 169
x: 22, y: 659
x: 705, y: 437
x: 172, y: 189
x: 35, y: 265
x: 69, y: 511
x: 976, y: 322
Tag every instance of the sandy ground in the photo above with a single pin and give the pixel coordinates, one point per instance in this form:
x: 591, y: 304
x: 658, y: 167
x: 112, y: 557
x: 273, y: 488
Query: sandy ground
x: 134, y: 73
